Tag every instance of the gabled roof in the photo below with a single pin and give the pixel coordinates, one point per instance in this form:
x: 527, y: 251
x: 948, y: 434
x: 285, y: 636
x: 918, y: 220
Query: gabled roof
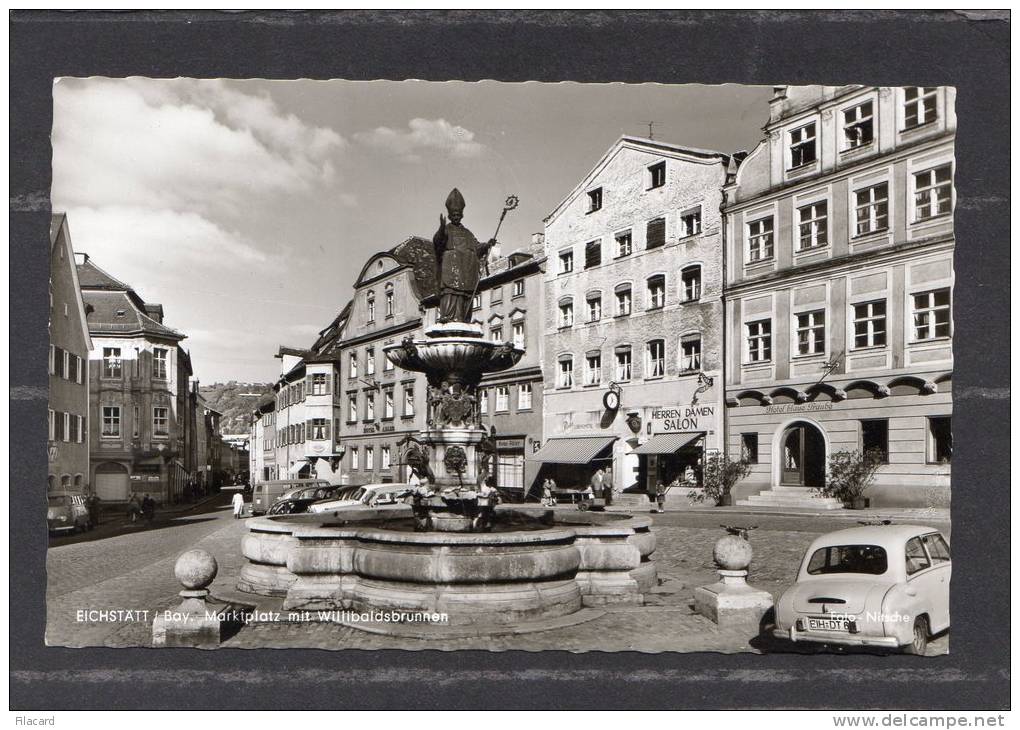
x: 58, y: 226
x: 116, y: 313
x: 91, y: 276
x: 640, y: 143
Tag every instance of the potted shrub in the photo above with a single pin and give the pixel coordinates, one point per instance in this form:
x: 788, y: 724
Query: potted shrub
x: 719, y: 477
x: 850, y: 473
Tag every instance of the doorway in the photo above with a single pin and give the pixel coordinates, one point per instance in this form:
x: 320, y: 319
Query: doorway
x: 803, y: 456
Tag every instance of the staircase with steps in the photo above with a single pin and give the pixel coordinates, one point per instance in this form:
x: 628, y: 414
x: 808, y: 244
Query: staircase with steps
x: 791, y: 497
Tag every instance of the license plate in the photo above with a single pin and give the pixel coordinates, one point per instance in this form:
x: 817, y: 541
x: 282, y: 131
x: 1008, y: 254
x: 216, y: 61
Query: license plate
x: 827, y: 624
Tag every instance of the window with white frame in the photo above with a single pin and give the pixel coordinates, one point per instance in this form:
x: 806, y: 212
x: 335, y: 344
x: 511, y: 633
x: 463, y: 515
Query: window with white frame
x: 502, y: 398
x: 496, y: 295
x: 624, y: 245
x: 566, y: 262
x: 483, y: 400
x: 524, y: 392
x: 759, y: 340
x: 387, y: 365
x: 858, y: 126
x: 566, y: 313
x: 352, y: 365
x: 369, y: 406
x: 159, y: 363
x: 871, y: 209
x: 384, y: 457
x: 760, y: 243
x: 594, y: 200
x: 813, y: 226
x: 136, y: 422
x: 623, y: 300
x: 933, y: 192
x: 593, y: 368
x: 869, y: 324
x: 320, y: 429
x: 370, y: 361
x: 920, y: 105
x: 932, y: 314
x: 690, y: 353
x: 517, y: 334
x: 690, y: 222
x: 565, y: 377
x: 389, y: 302
x: 802, y: 146
x: 352, y: 408
x: 690, y: 283
x: 811, y: 333
x: 655, y: 359
x: 388, y: 404
x: 369, y: 458
x: 67, y: 428
x: 656, y: 292
x: 496, y: 333
x: 160, y: 421
x: 623, y: 364
x: 318, y: 383
x: 371, y: 306
x: 111, y: 362
x: 355, y: 458
x: 111, y: 422
x: 52, y: 423
x: 408, y: 400
x: 53, y: 360
x: 518, y: 288
x: 594, y: 302
x: 476, y: 302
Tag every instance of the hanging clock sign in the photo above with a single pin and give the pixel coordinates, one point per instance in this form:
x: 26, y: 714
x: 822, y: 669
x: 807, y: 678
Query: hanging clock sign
x: 611, y: 399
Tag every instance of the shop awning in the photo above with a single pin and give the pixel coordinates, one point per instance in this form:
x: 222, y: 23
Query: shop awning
x: 668, y: 443
x: 294, y: 469
x: 578, y: 450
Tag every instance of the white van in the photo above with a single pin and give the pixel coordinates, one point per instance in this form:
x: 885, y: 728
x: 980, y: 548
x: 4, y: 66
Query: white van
x: 369, y: 495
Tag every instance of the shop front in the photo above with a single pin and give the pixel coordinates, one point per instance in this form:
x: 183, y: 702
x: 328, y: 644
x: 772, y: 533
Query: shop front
x: 571, y: 461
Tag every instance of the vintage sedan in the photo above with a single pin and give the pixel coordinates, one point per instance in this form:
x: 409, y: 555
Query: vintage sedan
x: 297, y: 501
x: 878, y: 585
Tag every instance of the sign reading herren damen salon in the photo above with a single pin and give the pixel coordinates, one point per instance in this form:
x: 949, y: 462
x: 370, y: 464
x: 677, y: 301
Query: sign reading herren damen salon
x: 675, y: 419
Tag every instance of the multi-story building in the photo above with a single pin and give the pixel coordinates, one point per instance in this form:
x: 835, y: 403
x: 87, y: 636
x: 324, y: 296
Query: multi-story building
x: 68, y: 447
x: 381, y: 404
x: 290, y: 415
x: 262, y: 449
x: 839, y: 291
x: 138, y: 375
x: 510, y: 307
x: 633, y: 330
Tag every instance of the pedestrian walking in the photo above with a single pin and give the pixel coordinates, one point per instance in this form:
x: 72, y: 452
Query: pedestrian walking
x: 134, y: 509
x: 93, y: 506
x: 607, y: 485
x: 238, y: 503
x: 660, y: 496
x: 149, y: 508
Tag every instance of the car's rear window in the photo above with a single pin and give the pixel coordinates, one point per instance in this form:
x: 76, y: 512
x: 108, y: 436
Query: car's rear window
x: 837, y: 559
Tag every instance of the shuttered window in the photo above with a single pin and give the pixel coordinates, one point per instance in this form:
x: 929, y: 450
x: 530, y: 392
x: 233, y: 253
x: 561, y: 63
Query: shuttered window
x: 656, y: 233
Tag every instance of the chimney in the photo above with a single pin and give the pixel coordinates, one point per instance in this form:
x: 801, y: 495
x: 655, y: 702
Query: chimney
x: 777, y: 102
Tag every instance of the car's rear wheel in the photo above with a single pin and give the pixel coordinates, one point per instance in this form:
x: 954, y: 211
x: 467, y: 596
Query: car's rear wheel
x: 919, y: 644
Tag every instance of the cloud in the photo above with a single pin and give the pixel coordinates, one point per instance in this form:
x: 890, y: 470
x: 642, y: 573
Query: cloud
x: 181, y: 145
x: 422, y: 135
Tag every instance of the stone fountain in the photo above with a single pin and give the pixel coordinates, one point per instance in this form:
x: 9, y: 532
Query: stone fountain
x: 452, y: 549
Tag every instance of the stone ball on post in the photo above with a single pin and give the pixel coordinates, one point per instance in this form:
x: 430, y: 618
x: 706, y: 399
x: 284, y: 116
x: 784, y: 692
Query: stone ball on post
x: 732, y: 552
x: 196, y: 569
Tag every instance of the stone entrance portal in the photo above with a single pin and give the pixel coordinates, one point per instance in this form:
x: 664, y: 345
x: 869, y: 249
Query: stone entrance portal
x: 803, y: 456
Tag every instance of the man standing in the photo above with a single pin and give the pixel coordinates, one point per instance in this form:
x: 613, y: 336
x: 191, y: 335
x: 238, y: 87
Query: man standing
x: 607, y: 485
x: 93, y: 505
x: 238, y: 503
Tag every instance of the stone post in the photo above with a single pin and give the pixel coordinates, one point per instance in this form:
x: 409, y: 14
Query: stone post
x: 194, y: 622
x: 732, y: 602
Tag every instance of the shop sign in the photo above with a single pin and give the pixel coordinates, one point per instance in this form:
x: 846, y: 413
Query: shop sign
x: 388, y: 428
x: 510, y: 443
x: 682, y: 418
x: 798, y: 408
x: 371, y: 428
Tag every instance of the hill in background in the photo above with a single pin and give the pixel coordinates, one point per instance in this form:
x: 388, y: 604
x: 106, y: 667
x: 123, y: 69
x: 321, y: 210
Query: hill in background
x: 235, y: 401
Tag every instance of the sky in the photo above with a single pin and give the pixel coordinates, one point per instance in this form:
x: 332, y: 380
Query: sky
x: 247, y: 208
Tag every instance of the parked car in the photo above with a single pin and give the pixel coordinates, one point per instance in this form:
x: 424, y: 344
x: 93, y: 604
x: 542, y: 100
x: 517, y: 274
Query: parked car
x: 297, y: 501
x: 67, y: 512
x: 369, y: 495
x: 266, y: 493
x: 879, y: 585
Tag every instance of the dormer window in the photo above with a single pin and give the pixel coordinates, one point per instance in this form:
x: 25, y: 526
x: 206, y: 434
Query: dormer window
x: 802, y: 146
x: 594, y: 200
x: 657, y: 175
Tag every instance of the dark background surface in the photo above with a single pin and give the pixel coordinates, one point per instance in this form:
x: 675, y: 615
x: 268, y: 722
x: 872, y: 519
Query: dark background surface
x: 968, y: 50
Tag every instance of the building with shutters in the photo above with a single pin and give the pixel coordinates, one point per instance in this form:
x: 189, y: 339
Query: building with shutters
x: 839, y: 293
x: 70, y: 343
x: 633, y: 328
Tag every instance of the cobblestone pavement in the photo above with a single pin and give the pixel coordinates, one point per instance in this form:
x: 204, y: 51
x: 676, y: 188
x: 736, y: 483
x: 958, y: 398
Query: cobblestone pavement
x: 136, y: 572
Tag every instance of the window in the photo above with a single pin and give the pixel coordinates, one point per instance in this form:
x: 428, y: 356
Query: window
x: 72, y: 367
x: 566, y: 373
x: 136, y: 422
x: 502, y: 398
x: 58, y: 426
x: 384, y: 457
x: 931, y: 315
x: 567, y: 313
x: 159, y: 363
x: 656, y: 292
x: 749, y: 448
x: 111, y: 362
x: 320, y: 429
x: 370, y: 361
x: 496, y: 295
x: 524, y: 397
x: 871, y: 210
x: 937, y: 548
x: 811, y: 333
x: 759, y: 340
x: 371, y: 306
x: 388, y: 404
x: 655, y: 233
x: 336, y: 430
x: 369, y: 458
x: 802, y: 146
x: 476, y: 303
x: 352, y: 368
x: 858, y: 126
x: 496, y: 334
x: 387, y: 365
x: 875, y: 437
x: 111, y: 422
x: 869, y: 324
x: 566, y: 262
x: 690, y: 354
x: 518, y: 290
x: 319, y: 384
x: 53, y: 360
x: 67, y: 427
x: 917, y: 559
x: 690, y: 222
x: 352, y: 408
x: 759, y: 240
x: 655, y: 359
x: 355, y: 458
x: 592, y: 254
x: 389, y: 303
x: 52, y: 424
x: 160, y: 421
x: 594, y: 200
x: 690, y: 283
x: 657, y: 175
x: 369, y: 406
x: 483, y: 401
x: 623, y: 244
x: 623, y: 364
x: 623, y: 300
x: 408, y: 400
x: 593, y: 368
x: 594, y: 307
x: 920, y: 105
x: 517, y: 331
x: 59, y: 361
x: 933, y: 192
x: 813, y: 226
